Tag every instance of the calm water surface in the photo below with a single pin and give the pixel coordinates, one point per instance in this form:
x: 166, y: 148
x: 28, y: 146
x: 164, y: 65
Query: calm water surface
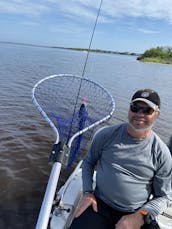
x: 26, y: 140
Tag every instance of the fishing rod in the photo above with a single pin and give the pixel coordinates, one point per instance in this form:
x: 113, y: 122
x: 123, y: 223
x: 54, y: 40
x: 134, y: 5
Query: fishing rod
x: 85, y: 64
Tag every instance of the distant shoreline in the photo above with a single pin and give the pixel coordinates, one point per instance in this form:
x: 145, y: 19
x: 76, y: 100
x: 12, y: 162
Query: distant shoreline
x: 100, y: 51
x: 156, y: 61
x: 75, y: 49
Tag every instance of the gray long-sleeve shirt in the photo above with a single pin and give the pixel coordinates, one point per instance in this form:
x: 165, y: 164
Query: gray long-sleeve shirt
x: 129, y: 170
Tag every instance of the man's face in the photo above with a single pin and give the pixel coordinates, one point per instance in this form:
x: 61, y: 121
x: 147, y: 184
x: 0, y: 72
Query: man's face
x: 142, y: 116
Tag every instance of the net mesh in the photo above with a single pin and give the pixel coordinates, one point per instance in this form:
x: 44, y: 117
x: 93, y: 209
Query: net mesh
x: 73, y: 103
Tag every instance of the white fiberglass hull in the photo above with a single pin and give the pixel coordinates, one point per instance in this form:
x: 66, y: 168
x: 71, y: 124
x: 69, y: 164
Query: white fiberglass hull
x: 70, y: 195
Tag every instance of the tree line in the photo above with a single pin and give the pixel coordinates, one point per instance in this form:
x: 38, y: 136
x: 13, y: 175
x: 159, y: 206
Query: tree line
x: 158, y: 54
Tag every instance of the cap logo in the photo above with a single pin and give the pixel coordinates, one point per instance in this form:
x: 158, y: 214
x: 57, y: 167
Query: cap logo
x: 145, y: 94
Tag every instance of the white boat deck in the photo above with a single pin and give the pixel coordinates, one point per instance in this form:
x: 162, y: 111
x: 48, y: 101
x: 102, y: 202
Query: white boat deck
x: 164, y: 221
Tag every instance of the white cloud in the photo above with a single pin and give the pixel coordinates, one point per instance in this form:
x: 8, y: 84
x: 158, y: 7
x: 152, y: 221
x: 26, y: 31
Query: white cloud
x: 22, y: 7
x: 147, y: 31
x: 30, y: 23
x: 159, y: 9
x: 87, y: 9
x: 67, y: 28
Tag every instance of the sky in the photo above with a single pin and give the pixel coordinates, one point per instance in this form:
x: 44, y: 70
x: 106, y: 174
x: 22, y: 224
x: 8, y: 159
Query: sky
x: 123, y: 25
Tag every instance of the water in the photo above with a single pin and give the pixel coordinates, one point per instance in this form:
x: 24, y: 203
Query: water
x: 26, y: 140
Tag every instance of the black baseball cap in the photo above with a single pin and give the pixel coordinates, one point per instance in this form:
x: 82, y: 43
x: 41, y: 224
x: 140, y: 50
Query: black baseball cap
x: 147, y: 96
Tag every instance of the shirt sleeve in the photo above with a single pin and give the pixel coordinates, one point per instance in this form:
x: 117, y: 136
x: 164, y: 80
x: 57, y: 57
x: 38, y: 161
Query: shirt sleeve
x: 162, y: 186
x: 91, y: 160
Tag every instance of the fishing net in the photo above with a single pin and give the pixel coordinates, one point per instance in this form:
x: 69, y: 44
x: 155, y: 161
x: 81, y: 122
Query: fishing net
x: 73, y: 106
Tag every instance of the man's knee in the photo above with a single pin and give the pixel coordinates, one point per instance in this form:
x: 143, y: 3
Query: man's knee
x: 90, y: 219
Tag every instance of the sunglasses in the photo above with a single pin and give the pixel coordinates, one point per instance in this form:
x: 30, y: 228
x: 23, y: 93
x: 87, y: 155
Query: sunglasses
x: 144, y: 110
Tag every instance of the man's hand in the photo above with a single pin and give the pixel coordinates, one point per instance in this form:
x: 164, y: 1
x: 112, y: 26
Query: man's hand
x: 132, y: 221
x: 87, y: 200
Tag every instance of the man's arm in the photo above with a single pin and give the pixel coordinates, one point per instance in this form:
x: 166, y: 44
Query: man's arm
x: 131, y: 221
x: 88, y: 166
x: 162, y: 186
x: 91, y: 160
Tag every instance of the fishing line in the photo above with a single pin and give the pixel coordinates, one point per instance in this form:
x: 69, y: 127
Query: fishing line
x: 84, y: 68
x: 94, y: 28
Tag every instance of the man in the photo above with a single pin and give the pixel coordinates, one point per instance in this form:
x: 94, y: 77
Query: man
x: 132, y: 165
